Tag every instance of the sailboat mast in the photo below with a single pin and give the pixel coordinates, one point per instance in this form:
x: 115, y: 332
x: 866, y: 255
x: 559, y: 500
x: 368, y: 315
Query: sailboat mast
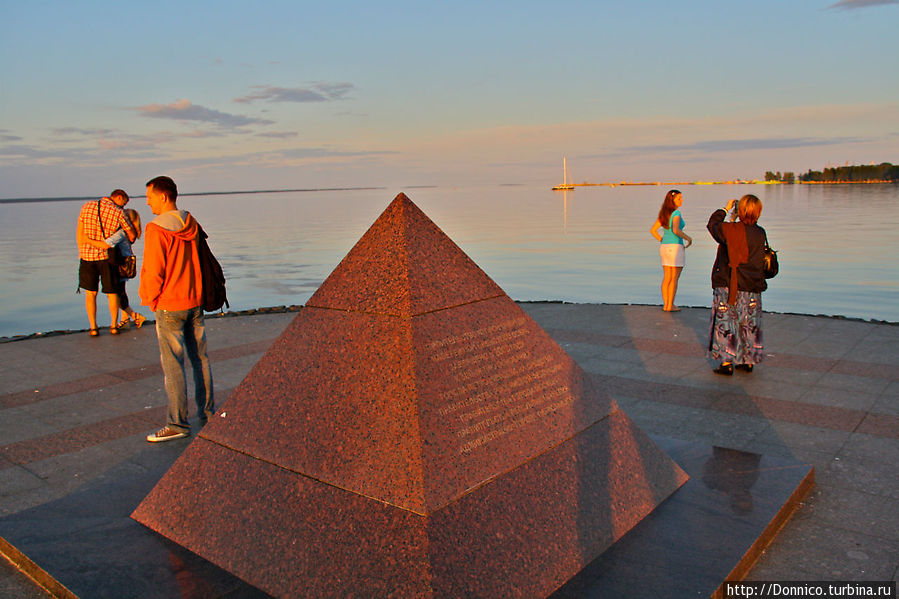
x: 564, y: 184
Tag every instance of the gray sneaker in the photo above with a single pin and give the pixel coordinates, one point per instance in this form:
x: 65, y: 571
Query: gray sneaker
x: 167, y: 433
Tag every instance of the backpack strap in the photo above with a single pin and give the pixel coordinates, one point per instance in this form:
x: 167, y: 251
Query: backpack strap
x: 177, y: 214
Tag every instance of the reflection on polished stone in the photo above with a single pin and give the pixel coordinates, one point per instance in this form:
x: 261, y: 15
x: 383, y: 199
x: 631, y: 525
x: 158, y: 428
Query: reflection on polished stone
x: 732, y: 472
x: 712, y: 529
x: 685, y: 548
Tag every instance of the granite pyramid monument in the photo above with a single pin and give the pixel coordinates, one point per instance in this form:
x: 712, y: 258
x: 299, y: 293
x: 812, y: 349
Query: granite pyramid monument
x: 411, y: 433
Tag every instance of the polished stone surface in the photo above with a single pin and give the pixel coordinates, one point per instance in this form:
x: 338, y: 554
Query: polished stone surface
x: 417, y: 430
x: 710, y: 527
x: 86, y: 545
x: 524, y: 533
x: 845, y: 530
x: 713, y: 528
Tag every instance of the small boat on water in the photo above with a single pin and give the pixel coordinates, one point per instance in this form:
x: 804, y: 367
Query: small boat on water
x: 565, y: 184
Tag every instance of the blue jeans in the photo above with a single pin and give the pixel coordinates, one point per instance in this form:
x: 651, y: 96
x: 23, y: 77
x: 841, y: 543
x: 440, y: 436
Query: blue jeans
x: 180, y: 332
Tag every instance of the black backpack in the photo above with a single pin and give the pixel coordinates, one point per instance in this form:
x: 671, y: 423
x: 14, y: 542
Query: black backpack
x: 214, y: 295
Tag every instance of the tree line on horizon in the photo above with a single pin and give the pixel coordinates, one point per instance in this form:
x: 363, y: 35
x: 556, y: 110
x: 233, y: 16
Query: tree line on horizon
x: 859, y: 172
x: 787, y: 177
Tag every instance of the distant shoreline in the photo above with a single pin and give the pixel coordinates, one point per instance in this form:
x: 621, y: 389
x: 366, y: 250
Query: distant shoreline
x: 584, y: 184
x: 198, y: 193
x: 734, y: 182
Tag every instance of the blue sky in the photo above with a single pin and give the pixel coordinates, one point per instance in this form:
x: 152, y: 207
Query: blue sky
x: 233, y: 96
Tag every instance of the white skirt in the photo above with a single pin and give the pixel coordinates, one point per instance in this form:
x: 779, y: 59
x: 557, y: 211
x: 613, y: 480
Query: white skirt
x: 672, y: 254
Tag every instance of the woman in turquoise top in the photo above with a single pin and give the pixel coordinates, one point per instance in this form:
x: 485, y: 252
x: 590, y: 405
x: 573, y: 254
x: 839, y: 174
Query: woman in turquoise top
x: 672, y: 242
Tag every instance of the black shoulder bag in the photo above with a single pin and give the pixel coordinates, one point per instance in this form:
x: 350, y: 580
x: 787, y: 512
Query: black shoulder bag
x: 771, y: 265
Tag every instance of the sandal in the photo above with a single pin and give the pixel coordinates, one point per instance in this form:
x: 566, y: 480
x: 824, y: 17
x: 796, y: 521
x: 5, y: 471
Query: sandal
x: 94, y: 332
x: 124, y: 324
x: 139, y: 319
x: 113, y: 331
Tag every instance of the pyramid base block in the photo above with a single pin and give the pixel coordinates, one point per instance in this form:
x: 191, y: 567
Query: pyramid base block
x: 523, y: 533
x: 713, y: 528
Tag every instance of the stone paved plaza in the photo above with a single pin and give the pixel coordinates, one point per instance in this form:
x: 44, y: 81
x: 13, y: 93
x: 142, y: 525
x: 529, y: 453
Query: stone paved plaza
x: 74, y: 407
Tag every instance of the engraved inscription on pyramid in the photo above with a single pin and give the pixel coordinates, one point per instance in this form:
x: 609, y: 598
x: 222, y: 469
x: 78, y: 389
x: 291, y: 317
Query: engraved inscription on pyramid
x: 411, y: 433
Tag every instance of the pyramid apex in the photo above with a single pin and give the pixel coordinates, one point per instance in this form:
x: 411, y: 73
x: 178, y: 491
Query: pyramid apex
x: 407, y: 209
x: 404, y: 265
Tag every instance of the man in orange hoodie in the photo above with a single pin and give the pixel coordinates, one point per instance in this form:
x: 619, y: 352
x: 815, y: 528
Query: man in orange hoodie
x: 171, y: 285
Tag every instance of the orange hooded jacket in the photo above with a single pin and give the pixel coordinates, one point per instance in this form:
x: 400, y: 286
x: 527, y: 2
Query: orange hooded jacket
x: 170, y: 276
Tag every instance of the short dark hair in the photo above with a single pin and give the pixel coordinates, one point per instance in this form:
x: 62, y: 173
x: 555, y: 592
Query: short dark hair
x: 119, y: 193
x: 165, y: 185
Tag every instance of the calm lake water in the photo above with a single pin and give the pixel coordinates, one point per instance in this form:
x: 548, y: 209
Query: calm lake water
x: 837, y: 246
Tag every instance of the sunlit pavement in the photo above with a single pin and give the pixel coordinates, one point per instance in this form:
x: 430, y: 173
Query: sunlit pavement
x: 73, y: 407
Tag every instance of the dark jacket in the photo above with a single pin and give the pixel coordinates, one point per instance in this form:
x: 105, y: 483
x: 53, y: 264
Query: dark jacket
x: 750, y: 274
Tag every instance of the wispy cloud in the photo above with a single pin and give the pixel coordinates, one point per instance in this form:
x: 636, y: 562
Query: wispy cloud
x: 81, y: 132
x: 111, y: 138
x: 319, y: 92
x: 103, y: 152
x: 282, y: 159
x: 197, y: 134
x: 184, y: 110
x: 335, y: 91
x: 278, y: 134
x: 303, y: 153
x: 90, y: 146
x: 740, y: 145
x: 122, y: 144
x: 856, y: 4
x: 26, y: 151
x: 5, y: 135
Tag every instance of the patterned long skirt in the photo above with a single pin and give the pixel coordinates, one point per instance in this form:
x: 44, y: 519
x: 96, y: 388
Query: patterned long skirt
x: 735, y: 334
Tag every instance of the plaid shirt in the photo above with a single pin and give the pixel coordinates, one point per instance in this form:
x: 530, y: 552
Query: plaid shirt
x: 113, y: 219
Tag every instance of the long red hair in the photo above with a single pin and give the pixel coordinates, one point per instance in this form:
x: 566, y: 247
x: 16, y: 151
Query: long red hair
x: 668, y: 207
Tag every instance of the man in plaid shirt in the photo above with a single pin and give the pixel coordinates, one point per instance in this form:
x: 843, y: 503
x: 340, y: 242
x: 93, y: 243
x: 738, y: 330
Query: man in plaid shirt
x: 94, y: 267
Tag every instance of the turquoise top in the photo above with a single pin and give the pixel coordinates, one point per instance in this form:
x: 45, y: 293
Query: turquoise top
x: 668, y: 236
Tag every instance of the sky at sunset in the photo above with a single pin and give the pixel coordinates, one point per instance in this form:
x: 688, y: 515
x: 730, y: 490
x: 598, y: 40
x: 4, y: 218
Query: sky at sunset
x: 294, y: 94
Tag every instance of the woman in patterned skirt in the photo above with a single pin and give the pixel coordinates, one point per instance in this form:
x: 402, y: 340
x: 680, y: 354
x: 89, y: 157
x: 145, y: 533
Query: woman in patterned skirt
x: 738, y: 280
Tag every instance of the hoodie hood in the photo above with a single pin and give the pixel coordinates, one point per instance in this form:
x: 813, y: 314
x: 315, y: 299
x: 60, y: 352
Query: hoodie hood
x: 180, y: 223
